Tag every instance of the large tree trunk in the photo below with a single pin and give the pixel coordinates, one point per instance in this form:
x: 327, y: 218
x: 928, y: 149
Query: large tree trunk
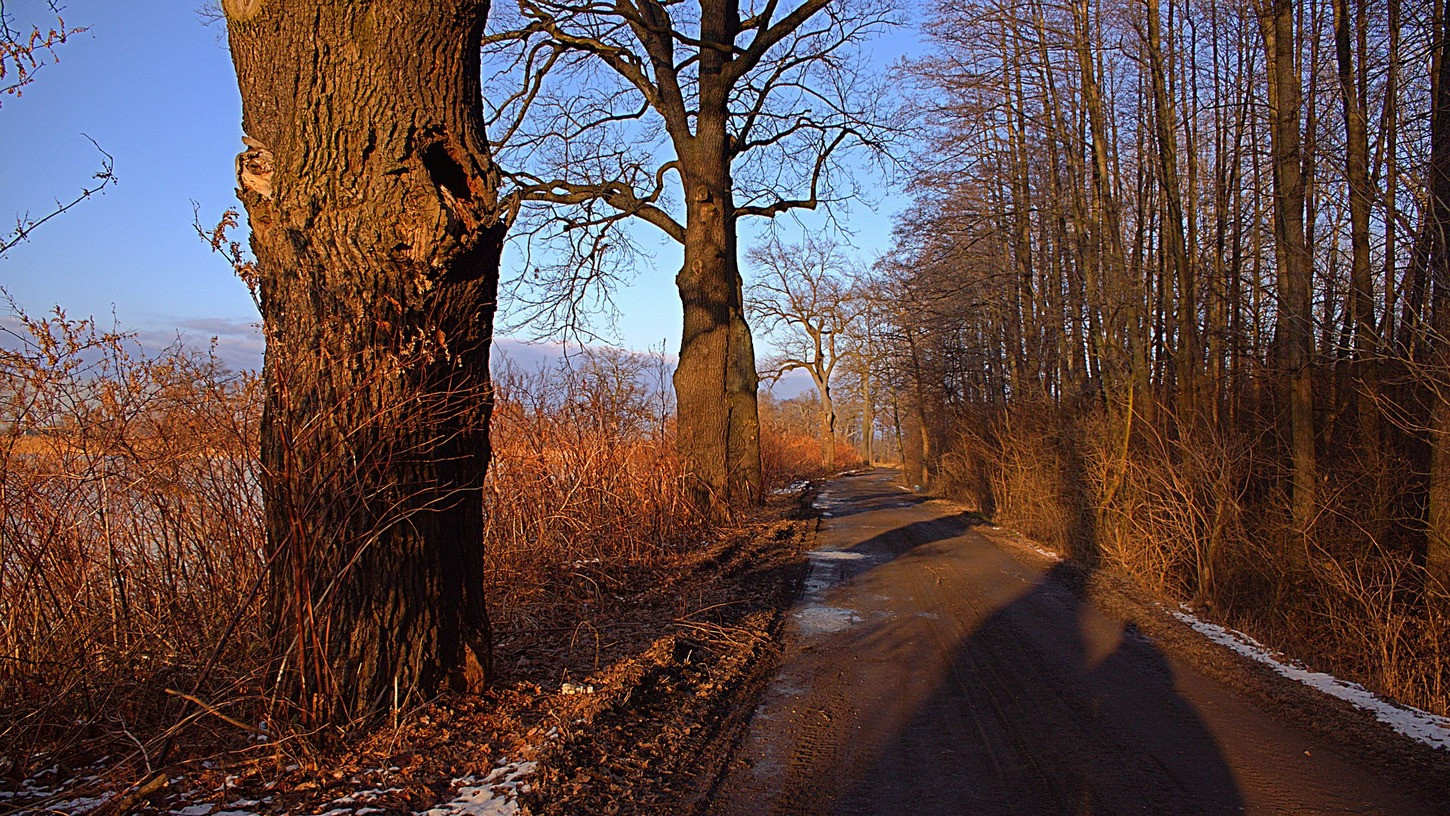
x: 1295, y: 321
x: 828, y: 424
x: 718, y: 430
x: 372, y: 204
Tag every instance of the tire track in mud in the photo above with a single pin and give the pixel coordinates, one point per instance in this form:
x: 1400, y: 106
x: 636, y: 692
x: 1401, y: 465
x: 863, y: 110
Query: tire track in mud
x: 929, y: 670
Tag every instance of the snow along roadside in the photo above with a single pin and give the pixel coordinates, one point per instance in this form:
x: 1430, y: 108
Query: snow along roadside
x: 494, y: 795
x: 1431, y: 729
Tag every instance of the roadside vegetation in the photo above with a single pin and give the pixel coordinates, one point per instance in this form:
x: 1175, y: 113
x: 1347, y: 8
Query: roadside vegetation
x: 1171, y: 297
x: 132, y: 560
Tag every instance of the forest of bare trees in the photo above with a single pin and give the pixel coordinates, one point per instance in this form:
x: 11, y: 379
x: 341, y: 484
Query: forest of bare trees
x: 1177, y: 278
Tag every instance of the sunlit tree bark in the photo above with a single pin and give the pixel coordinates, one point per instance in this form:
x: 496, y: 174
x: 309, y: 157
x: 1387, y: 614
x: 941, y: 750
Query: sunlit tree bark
x: 371, y: 197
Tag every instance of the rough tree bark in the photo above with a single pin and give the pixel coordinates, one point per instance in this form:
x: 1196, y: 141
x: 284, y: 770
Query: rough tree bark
x: 828, y: 424
x: 372, y: 203
x: 718, y: 425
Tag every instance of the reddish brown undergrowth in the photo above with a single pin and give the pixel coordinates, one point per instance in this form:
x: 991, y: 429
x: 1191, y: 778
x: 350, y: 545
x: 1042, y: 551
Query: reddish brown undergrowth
x: 132, y: 556
x: 1203, y: 520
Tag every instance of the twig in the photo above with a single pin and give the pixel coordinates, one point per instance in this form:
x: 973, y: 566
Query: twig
x: 196, y: 701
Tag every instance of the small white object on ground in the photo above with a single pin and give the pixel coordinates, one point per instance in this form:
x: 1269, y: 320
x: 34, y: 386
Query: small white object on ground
x: 494, y: 795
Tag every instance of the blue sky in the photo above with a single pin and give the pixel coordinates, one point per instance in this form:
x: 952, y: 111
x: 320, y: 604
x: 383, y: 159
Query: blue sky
x: 155, y: 88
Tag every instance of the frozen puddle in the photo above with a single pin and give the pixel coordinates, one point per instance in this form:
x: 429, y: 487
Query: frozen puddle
x: 825, y: 500
x: 834, y: 555
x: 827, y: 569
x: 1431, y: 729
x: 824, y: 619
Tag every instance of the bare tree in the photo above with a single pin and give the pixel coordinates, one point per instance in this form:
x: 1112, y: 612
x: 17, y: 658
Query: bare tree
x: 1436, y: 232
x: 804, y: 302
x: 371, y: 196
x: 1296, y: 271
x: 722, y: 110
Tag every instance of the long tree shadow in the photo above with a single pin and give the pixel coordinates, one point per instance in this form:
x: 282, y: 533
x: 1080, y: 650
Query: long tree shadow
x: 937, y: 674
x: 1047, y: 707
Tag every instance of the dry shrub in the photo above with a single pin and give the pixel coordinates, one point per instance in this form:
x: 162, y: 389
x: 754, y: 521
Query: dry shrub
x: 1203, y: 517
x: 1165, y: 508
x: 790, y: 444
x: 584, y: 472
x: 130, y: 535
x: 1363, y: 605
x: 1018, y: 467
x: 1361, y: 617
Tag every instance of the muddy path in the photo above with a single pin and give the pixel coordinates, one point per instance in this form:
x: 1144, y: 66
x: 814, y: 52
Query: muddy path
x: 931, y: 670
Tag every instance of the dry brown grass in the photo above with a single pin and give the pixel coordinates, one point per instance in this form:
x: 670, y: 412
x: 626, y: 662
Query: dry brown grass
x: 131, y: 537
x: 1200, y: 520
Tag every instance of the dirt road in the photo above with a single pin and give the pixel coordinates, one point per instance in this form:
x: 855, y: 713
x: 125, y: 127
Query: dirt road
x: 929, y: 670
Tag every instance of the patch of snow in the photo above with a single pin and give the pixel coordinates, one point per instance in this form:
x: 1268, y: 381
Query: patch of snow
x: 369, y: 795
x: 571, y: 688
x: 494, y: 795
x: 834, y: 555
x: 1027, y: 544
x: 194, y: 810
x: 1049, y: 554
x: 1431, y: 729
x: 793, y: 487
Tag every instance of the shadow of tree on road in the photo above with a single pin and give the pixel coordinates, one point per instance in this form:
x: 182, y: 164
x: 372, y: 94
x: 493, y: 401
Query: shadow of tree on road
x: 1048, y: 707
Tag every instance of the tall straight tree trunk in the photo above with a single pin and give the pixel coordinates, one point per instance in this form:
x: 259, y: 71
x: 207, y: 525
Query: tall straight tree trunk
x: 1361, y: 300
x: 1295, y: 327
x: 1175, y: 248
x: 372, y: 203
x: 1113, y: 259
x: 1437, y: 238
x: 1390, y: 116
x: 868, y: 414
